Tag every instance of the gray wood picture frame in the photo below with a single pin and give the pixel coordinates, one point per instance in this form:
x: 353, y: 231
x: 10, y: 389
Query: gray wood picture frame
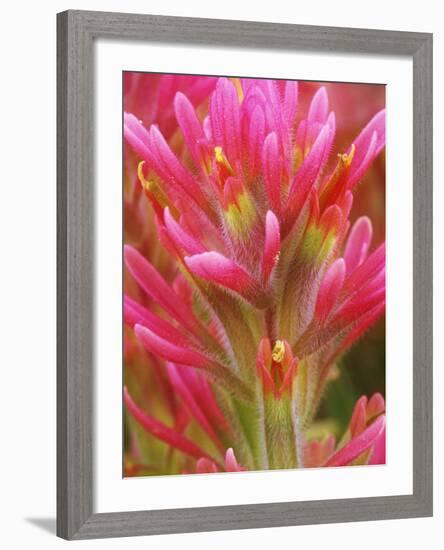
x: 76, y: 32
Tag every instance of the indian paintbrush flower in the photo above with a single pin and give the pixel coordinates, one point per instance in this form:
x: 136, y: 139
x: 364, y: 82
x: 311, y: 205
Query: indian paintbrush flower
x: 270, y: 285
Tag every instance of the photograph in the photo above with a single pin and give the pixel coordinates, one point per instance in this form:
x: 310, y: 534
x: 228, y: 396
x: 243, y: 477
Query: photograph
x: 222, y: 281
x: 254, y: 274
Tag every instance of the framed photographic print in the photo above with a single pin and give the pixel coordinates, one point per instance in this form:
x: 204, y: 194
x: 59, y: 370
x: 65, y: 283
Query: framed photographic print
x: 244, y: 274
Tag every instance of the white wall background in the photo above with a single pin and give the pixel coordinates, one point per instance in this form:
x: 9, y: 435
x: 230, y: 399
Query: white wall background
x: 27, y: 217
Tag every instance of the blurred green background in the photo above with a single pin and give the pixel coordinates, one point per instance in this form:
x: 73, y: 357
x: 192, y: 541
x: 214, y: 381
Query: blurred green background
x: 361, y: 372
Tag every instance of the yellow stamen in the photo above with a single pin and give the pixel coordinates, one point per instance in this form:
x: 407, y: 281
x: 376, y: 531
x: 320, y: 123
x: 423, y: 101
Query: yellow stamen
x: 278, y: 352
x: 141, y: 176
x: 345, y: 159
x: 152, y: 187
x: 221, y: 158
x: 225, y: 169
x: 237, y: 85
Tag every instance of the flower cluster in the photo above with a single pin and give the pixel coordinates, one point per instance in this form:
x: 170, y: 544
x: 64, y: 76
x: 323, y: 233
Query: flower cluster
x: 252, y: 283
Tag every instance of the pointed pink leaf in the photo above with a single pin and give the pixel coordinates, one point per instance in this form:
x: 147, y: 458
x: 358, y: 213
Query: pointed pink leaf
x: 135, y: 314
x: 272, y: 245
x: 353, y: 309
x: 155, y: 286
x: 378, y: 453
x: 368, y: 145
x: 206, y: 466
x: 375, y: 406
x: 318, y: 110
x: 231, y: 464
x: 180, y: 385
x: 358, y: 243
x: 225, y: 119
x: 358, y: 421
x: 169, y: 350
x: 216, y: 268
x: 161, y: 431
x: 309, y: 171
x: 136, y: 135
x: 345, y: 204
x: 290, y: 100
x: 256, y: 136
x: 329, y: 290
x: 361, y: 326
x: 366, y: 271
x: 179, y: 176
x: 357, y: 445
x: 169, y: 161
x: 272, y: 171
x: 190, y: 126
x: 356, y: 173
x: 199, y: 386
x: 181, y: 237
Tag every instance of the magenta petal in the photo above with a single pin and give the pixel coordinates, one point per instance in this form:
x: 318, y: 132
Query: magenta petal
x: 206, y: 466
x: 155, y: 286
x: 272, y: 245
x: 180, y: 385
x: 375, y: 406
x: 171, y: 163
x: 358, y: 445
x: 136, y: 135
x: 309, y: 171
x: 256, y: 136
x: 358, y: 243
x: 225, y: 119
x: 361, y: 326
x: 368, y: 145
x: 329, y: 290
x: 135, y: 314
x: 290, y: 100
x: 231, y: 464
x: 272, y: 170
x: 358, y: 171
x: 190, y: 126
x: 161, y: 431
x: 199, y: 386
x: 376, y: 124
x: 370, y: 268
x: 358, y: 421
x: 353, y: 309
x: 378, y: 453
x: 318, y: 110
x: 216, y: 268
x: 181, y: 237
x: 169, y: 350
x: 174, y: 172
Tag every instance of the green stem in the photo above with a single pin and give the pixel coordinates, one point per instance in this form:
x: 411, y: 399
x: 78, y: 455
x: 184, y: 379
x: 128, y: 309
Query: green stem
x: 280, y: 434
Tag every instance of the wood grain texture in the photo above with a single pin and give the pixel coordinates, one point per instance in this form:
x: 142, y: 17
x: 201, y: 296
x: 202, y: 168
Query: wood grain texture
x: 423, y: 273
x: 76, y: 32
x: 75, y: 222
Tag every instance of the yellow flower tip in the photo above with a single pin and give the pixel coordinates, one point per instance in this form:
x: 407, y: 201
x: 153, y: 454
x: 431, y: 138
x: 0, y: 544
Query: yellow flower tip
x: 238, y: 86
x: 220, y: 157
x: 346, y: 159
x: 278, y: 352
x: 222, y: 161
x: 145, y: 183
